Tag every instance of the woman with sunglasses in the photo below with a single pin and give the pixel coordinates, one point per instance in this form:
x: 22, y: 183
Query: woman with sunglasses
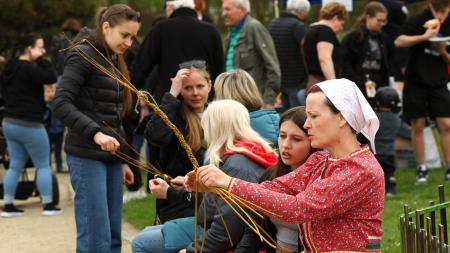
x: 336, y: 197
x: 368, y: 51
x: 92, y: 104
x: 184, y: 105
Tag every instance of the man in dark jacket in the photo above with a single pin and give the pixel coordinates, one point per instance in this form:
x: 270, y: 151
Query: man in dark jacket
x: 287, y: 32
x: 180, y: 38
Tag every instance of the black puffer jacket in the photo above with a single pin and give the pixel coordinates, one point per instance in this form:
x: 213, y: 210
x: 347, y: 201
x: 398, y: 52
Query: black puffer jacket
x: 171, y: 158
x: 88, y: 101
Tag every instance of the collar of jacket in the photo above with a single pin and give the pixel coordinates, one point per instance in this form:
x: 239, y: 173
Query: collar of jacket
x: 285, y: 14
x: 184, y: 12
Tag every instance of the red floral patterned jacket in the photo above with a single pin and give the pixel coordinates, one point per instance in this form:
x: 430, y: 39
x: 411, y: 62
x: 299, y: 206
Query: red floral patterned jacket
x: 338, y: 203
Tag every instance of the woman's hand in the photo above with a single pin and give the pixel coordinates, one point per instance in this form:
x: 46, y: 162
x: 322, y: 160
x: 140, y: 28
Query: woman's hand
x: 106, y: 142
x: 128, y: 176
x: 208, y: 177
x: 182, y: 251
x: 158, y: 188
x: 177, y: 81
x: 178, y: 183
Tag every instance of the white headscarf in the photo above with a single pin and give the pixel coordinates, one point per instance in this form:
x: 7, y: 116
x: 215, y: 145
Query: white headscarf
x: 349, y: 100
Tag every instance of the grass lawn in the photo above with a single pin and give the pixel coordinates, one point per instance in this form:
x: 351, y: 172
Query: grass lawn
x: 141, y: 212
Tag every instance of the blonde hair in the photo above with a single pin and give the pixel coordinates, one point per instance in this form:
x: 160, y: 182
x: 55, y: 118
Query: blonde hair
x: 224, y: 122
x: 240, y: 86
x: 193, y: 128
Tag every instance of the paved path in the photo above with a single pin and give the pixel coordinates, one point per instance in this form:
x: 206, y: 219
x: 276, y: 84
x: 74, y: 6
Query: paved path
x: 36, y: 233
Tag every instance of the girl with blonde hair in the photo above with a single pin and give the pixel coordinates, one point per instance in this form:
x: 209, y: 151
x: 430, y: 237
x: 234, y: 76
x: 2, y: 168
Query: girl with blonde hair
x: 239, y: 152
x: 240, y: 86
x: 183, y: 105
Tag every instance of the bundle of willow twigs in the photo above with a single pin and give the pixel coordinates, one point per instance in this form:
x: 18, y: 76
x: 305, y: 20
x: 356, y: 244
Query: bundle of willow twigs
x: 228, y: 197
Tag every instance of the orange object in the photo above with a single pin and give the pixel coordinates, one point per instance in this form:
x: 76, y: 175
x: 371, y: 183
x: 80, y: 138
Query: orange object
x: 432, y: 23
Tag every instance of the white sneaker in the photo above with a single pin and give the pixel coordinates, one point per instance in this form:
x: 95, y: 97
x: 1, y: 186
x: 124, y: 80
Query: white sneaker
x: 130, y: 195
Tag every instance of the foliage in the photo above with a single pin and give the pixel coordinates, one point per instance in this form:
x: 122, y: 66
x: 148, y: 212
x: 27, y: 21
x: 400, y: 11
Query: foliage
x: 45, y: 17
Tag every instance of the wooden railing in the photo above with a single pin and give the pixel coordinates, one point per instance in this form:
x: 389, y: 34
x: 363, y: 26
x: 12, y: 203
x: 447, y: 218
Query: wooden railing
x: 418, y: 228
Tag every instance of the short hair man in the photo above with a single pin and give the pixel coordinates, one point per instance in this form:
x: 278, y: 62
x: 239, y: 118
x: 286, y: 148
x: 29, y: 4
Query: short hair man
x: 426, y: 92
x: 250, y: 47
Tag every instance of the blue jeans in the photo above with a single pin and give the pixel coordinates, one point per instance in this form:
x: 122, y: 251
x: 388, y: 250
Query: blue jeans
x: 289, y: 98
x: 170, y: 237
x: 98, y: 204
x: 25, y: 142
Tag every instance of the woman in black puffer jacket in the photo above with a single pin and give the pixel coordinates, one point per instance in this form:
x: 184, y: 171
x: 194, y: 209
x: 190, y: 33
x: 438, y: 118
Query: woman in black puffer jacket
x: 91, y: 105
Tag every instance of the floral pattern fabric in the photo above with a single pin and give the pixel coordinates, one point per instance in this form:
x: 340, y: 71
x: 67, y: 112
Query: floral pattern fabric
x: 338, y: 203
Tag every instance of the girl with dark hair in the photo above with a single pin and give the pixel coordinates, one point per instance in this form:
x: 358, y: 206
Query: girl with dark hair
x: 23, y: 91
x: 368, y: 51
x: 294, y: 148
x: 92, y: 105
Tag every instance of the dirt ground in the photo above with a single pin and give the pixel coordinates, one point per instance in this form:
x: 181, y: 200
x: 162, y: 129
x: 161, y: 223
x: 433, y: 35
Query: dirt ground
x: 36, y: 233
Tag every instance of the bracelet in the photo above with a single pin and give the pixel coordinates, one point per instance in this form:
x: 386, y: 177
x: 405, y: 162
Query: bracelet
x: 230, y: 184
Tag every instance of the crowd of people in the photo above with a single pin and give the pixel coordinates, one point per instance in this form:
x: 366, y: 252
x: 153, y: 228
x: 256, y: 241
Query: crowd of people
x: 319, y: 165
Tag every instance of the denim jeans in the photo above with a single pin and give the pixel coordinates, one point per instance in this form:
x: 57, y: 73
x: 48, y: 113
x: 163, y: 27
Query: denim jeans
x: 56, y: 141
x: 289, y: 98
x: 170, y: 237
x: 98, y: 204
x: 25, y: 142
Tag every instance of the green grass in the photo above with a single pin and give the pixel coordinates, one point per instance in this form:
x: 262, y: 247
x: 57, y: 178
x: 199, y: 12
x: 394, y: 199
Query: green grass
x: 415, y: 196
x: 141, y: 212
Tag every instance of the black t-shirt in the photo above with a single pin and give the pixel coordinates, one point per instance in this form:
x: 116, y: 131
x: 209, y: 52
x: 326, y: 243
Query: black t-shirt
x: 425, y: 66
x: 318, y: 33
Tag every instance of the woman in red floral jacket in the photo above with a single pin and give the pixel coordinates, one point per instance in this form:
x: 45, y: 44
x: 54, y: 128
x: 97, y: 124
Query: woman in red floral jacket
x: 337, y: 196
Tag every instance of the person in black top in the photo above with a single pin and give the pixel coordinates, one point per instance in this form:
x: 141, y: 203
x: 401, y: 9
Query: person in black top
x: 368, y: 51
x: 426, y: 93
x: 322, y: 49
x: 181, y: 37
x: 287, y: 32
x: 22, y: 84
x: 184, y: 105
x: 91, y: 105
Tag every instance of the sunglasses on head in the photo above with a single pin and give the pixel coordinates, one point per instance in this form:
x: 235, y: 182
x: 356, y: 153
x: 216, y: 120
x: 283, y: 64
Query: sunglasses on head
x: 198, y: 64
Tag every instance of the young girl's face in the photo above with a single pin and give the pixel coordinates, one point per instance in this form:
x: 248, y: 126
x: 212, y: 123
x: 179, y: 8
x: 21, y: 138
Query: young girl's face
x: 195, y: 91
x: 119, y: 37
x: 293, y: 144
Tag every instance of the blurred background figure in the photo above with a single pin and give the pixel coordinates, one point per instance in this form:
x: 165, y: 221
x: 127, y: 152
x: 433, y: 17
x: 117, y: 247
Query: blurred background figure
x: 287, y: 32
x: 60, y: 41
x: 250, y: 47
x: 323, y: 52
x: 182, y: 37
x: 23, y: 81
x: 200, y: 6
x: 368, y: 51
x: 387, y: 106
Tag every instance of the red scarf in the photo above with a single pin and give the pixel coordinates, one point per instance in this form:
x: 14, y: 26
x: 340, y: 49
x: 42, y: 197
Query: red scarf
x: 256, y: 152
